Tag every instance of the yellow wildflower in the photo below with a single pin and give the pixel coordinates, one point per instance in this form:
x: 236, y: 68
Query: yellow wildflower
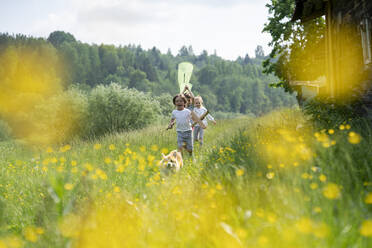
x: 69, y: 186
x: 368, y: 198
x: 332, y: 191
x: 97, y: 146
x: 322, y: 178
x: 366, y: 228
x: 112, y: 147
x: 354, y: 138
x: 239, y: 172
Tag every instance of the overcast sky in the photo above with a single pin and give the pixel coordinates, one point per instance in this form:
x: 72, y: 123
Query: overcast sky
x: 231, y: 27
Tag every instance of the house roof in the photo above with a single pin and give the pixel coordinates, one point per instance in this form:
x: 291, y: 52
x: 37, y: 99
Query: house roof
x: 307, y: 10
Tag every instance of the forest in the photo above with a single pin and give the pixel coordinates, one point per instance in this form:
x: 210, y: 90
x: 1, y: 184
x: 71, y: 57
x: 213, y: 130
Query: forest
x: 238, y: 86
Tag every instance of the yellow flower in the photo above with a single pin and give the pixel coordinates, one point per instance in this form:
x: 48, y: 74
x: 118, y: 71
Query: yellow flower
x: 368, y: 198
x: 317, y: 210
x: 69, y: 186
x: 313, y: 185
x: 332, y: 191
x: 366, y: 228
x: 49, y: 150
x: 65, y: 148
x: 107, y: 160
x: 73, y: 163
x: 120, y: 168
x: 322, y: 178
x: 154, y: 148
x: 341, y: 127
x: 304, y: 225
x: 354, y: 138
x: 112, y: 147
x: 39, y: 230
x: 164, y: 150
x: 88, y: 166
x: 331, y: 131
x: 347, y: 126
x: 239, y: 172
x: 219, y: 186
x: 305, y: 176
x: 116, y: 189
x: 97, y: 146
x: 30, y: 234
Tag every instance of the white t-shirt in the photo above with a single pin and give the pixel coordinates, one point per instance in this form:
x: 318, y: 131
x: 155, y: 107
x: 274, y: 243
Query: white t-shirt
x: 183, y: 119
x: 199, y: 112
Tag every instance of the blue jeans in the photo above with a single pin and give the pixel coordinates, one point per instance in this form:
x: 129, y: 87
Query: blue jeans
x: 185, y: 137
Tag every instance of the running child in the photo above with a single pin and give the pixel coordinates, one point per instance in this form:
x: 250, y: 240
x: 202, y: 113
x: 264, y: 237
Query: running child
x: 200, y: 110
x: 182, y: 117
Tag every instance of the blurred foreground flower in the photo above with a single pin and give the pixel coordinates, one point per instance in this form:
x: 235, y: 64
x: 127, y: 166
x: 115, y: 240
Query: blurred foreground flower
x: 332, y: 191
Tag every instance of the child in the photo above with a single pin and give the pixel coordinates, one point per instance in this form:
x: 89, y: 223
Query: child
x: 183, y: 117
x: 189, y: 97
x: 199, y: 111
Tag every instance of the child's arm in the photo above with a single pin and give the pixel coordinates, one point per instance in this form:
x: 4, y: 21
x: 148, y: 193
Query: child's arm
x: 195, y: 118
x: 209, y: 117
x: 171, y: 123
x: 191, y: 94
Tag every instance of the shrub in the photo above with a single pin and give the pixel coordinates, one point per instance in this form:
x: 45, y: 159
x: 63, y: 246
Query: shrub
x: 114, y: 109
x: 58, y: 118
x: 166, y: 104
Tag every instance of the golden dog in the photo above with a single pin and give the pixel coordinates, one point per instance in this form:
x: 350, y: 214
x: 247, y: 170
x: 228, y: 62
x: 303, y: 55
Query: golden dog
x: 172, y: 161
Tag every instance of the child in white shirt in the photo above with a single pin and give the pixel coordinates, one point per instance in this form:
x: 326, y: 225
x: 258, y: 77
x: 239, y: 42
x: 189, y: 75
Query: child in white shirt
x: 183, y: 117
x: 200, y: 110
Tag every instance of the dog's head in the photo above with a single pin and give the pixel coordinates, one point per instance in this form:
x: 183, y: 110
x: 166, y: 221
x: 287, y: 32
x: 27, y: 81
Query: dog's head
x: 171, y: 161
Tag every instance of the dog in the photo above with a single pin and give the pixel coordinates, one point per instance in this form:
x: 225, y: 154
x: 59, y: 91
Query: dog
x: 172, y: 161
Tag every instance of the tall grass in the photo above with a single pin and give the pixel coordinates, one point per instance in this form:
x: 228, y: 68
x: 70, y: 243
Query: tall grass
x: 267, y: 182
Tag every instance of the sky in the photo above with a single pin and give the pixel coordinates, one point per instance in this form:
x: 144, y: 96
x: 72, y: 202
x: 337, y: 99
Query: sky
x: 232, y: 28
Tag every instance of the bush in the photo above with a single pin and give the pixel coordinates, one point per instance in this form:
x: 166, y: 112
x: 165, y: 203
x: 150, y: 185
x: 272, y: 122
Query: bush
x: 166, y: 104
x: 59, y: 118
x: 114, y: 109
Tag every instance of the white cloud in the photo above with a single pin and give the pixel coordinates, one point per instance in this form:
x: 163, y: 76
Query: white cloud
x: 233, y: 28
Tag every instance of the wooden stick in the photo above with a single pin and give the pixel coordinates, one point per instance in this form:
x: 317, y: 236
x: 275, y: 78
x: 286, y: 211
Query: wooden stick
x: 201, y: 117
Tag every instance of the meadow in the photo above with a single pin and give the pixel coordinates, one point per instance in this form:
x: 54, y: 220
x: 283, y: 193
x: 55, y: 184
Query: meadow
x: 272, y: 181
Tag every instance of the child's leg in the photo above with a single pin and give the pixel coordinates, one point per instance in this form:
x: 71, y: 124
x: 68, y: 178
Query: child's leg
x: 201, y: 135
x: 179, y: 142
x: 189, y: 141
x: 196, y: 133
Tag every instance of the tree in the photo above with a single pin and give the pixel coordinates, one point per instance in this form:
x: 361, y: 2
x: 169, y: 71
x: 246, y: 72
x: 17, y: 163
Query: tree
x: 259, y: 52
x: 58, y: 37
x: 294, y: 44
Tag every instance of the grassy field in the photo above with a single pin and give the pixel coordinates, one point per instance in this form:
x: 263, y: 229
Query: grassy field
x: 266, y: 182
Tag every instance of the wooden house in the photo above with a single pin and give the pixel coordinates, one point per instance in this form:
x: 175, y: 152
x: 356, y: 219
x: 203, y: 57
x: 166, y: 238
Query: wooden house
x: 348, y: 44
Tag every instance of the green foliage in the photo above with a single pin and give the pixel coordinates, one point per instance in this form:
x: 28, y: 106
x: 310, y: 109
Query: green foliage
x: 327, y: 113
x: 224, y: 85
x: 298, y: 48
x: 114, y: 109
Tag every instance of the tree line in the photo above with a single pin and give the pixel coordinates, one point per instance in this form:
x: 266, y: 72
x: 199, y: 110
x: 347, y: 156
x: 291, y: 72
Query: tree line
x: 238, y: 86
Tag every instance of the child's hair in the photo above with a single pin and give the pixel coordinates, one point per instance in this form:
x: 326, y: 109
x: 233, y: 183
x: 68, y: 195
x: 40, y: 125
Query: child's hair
x: 182, y: 97
x: 200, y: 99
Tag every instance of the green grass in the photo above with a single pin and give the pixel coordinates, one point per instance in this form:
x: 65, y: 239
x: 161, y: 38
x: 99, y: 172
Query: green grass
x: 265, y: 182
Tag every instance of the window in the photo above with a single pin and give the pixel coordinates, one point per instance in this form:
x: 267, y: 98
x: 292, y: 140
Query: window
x: 366, y: 30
